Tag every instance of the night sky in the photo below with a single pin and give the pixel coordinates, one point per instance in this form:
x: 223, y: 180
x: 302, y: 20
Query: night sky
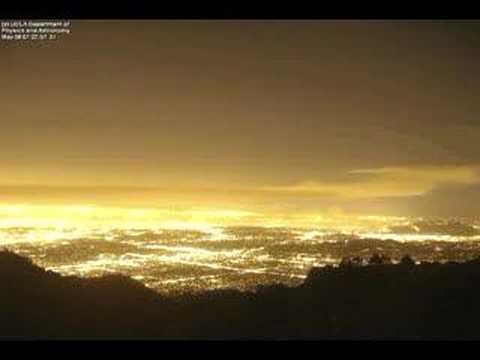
x: 377, y: 117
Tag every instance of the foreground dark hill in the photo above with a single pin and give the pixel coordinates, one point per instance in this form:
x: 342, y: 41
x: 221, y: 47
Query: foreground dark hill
x: 404, y: 301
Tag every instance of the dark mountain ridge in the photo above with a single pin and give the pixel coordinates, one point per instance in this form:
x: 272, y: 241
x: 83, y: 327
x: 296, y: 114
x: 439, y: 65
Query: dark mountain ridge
x: 352, y: 301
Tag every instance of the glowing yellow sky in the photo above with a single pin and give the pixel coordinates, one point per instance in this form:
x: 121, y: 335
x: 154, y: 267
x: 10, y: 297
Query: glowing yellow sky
x: 258, y: 118
x: 222, y: 205
x: 93, y: 216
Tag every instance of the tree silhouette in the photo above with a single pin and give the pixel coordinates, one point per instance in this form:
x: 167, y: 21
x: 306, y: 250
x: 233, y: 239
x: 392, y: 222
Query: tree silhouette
x: 351, y: 262
x: 407, y: 261
x: 377, y: 259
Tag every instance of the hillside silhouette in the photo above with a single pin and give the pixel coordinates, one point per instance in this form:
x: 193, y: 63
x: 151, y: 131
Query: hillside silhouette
x: 357, y: 300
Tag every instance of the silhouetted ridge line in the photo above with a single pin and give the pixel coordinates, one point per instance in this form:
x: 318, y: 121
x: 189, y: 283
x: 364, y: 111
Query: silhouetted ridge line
x: 378, y: 300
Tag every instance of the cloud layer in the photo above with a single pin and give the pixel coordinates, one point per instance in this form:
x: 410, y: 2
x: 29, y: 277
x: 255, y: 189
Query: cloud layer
x: 387, y: 182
